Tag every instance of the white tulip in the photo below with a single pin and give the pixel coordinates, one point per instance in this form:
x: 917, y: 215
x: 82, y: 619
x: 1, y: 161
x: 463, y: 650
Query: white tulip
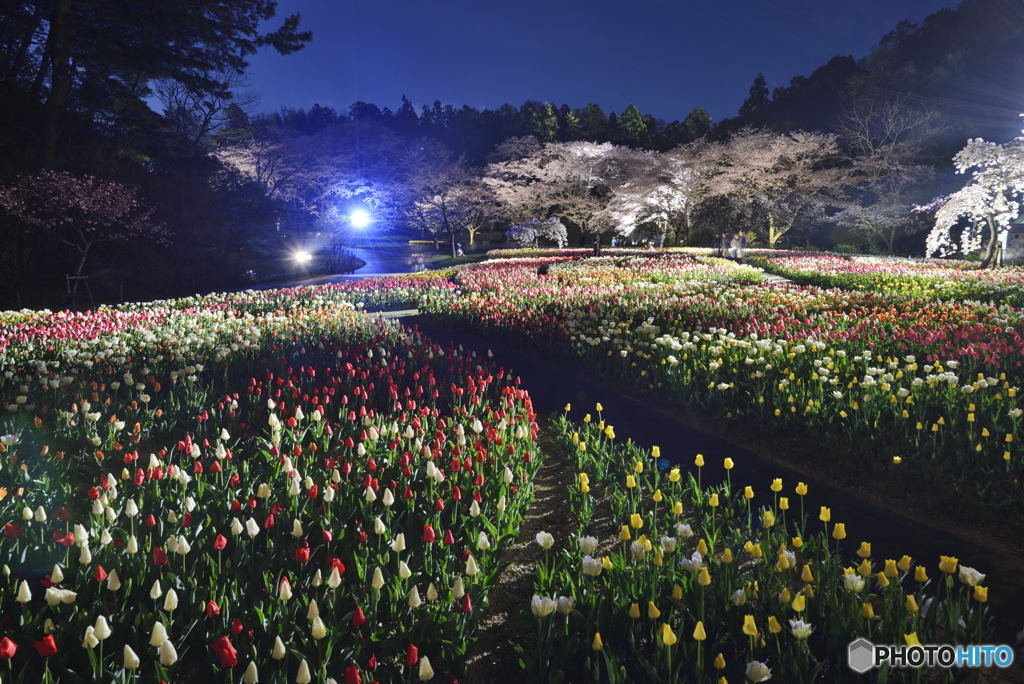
x: 156, y: 592
x: 414, y: 598
x: 171, y: 601
x: 101, y: 630
x: 378, y: 579
x: 251, y: 674
x: 159, y: 634
x: 131, y: 661
x: 168, y: 656
x: 24, y: 594
x: 542, y: 606
x: 279, y: 651
x: 303, y: 677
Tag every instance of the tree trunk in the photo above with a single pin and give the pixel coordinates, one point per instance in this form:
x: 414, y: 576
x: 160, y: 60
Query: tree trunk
x: 78, y: 269
x: 60, y: 81
x: 452, y: 236
x: 772, y: 236
x: 44, y: 68
x: 986, y: 258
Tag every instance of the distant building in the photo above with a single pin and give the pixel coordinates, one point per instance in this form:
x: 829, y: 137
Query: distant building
x: 1013, y: 239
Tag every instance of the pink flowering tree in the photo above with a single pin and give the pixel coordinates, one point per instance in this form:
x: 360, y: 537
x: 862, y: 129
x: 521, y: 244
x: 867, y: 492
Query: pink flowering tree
x: 81, y: 211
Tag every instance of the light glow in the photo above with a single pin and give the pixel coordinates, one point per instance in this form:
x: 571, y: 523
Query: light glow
x: 359, y: 219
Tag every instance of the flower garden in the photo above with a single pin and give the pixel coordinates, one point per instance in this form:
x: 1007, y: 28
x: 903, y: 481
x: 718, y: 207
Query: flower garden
x: 276, y: 487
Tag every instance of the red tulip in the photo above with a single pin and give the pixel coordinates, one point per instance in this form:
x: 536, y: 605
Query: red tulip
x: 151, y: 521
x: 439, y: 505
x: 448, y: 538
x: 412, y: 655
x: 47, y: 647
x: 328, y: 536
x: 220, y: 543
x: 428, y: 533
x: 269, y: 522
x: 467, y: 606
x: 313, y: 492
x: 352, y: 675
x: 197, y: 469
x: 159, y: 557
x: 14, y: 530
x: 408, y: 492
x: 235, y: 479
x: 94, y: 493
x: 237, y: 627
x: 187, y: 520
x: 456, y: 494
x: 228, y: 654
x: 69, y: 540
x: 7, y: 648
x: 101, y: 574
x: 212, y: 610
x: 302, y: 555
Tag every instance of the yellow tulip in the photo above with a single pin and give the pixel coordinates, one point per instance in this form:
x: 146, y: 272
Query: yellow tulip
x: 783, y: 503
x: 624, y: 534
x: 785, y: 596
x: 678, y: 508
x: 630, y: 482
x: 801, y: 489
x: 699, y: 460
x: 639, y: 467
x: 825, y: 515
x: 865, y: 550
x: 783, y: 563
x: 568, y: 407
x: 748, y: 492
x: 677, y: 592
x: 698, y: 631
x: 748, y: 626
x: 756, y: 551
x: 769, y: 519
x: 890, y: 568
x: 719, y: 662
x: 606, y: 562
x: 911, y: 639
x: 657, y: 496
x: 911, y: 604
x: 727, y: 556
x: 839, y: 532
x: 652, y: 610
x: 667, y: 636
x: 980, y: 593
x: 797, y: 542
x: 728, y: 464
x: 597, y: 645
x: 947, y: 564
x: 798, y: 603
x: 655, y: 452
x: 809, y: 591
x: 586, y: 418
x: 702, y: 548
x: 636, y: 521
x: 773, y: 625
x: 867, y: 611
x: 807, y: 576
x: 904, y: 564
x: 609, y: 432
x: 673, y: 475
x: 777, y: 484
x: 713, y: 501
x: 920, y: 574
x: 865, y: 568
x: 883, y: 581
x: 634, y: 611
x: 704, y: 579
x: 599, y: 406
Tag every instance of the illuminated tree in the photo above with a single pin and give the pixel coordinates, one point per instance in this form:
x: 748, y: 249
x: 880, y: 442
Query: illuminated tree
x: 991, y: 199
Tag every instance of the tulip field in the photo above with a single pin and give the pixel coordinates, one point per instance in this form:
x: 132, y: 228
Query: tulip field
x: 266, y: 488
x: 278, y: 487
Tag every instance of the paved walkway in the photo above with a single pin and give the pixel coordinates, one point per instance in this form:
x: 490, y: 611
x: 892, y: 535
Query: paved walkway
x: 772, y: 279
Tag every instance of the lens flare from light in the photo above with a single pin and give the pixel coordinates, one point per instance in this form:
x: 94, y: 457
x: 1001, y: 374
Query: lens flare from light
x: 359, y: 219
x: 303, y: 257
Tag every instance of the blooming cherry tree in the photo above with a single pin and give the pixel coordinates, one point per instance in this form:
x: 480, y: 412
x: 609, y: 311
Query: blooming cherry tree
x: 991, y: 199
x: 81, y: 211
x: 527, y: 233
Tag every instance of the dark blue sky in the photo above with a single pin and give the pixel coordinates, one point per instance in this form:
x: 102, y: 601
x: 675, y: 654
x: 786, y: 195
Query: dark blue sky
x: 665, y: 56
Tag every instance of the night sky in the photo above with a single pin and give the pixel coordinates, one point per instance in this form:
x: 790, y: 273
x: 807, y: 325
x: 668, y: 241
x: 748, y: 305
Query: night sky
x: 666, y: 57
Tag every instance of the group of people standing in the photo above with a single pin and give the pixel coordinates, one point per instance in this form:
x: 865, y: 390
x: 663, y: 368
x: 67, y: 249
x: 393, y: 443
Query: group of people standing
x: 731, y: 246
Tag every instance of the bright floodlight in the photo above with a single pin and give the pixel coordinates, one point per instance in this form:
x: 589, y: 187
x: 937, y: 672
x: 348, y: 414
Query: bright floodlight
x: 359, y: 219
x: 303, y: 257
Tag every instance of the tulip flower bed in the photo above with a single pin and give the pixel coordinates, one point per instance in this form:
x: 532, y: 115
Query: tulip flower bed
x: 260, y: 487
x: 923, y: 386
x: 696, y: 583
x: 891, y: 276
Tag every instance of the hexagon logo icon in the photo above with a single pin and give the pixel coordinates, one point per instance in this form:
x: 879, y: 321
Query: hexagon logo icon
x: 861, y: 655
